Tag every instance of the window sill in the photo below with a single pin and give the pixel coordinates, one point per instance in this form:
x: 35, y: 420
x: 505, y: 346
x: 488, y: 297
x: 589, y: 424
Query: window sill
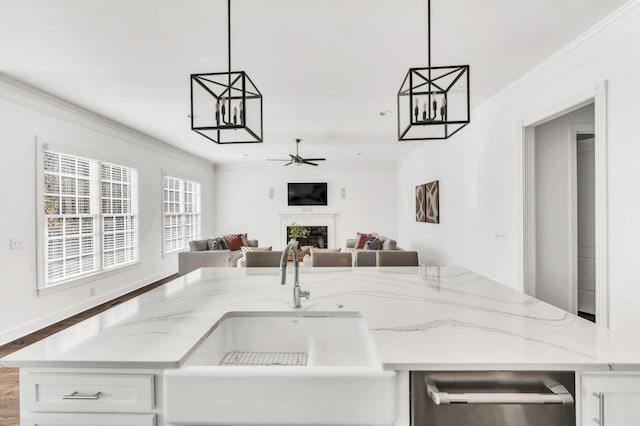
x: 85, y: 279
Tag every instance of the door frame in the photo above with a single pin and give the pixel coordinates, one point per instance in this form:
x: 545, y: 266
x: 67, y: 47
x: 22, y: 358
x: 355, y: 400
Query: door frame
x: 526, y: 197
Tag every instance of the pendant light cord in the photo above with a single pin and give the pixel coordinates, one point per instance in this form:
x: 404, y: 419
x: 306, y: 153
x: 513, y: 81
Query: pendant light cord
x: 229, y: 57
x: 229, y: 36
x: 429, y: 54
x: 429, y: 33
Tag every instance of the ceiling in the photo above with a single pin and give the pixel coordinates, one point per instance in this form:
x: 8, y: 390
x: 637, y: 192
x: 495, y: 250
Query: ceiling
x: 326, y: 68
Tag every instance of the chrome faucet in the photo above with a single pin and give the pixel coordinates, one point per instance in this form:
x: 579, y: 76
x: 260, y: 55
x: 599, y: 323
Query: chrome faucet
x: 297, y: 292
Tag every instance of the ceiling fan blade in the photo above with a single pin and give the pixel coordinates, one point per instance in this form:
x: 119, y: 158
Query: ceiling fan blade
x: 297, y: 158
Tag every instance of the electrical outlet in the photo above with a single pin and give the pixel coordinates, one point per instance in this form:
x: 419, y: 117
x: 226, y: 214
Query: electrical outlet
x: 501, y: 236
x: 92, y: 292
x: 16, y: 243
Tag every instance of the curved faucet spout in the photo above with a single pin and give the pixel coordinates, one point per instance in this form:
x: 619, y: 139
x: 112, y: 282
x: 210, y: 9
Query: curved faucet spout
x: 297, y: 292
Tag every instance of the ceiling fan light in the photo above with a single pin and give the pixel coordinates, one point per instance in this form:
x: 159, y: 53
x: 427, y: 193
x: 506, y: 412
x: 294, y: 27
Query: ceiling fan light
x: 297, y: 159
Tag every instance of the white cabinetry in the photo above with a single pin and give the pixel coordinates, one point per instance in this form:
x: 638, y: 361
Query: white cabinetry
x: 87, y: 419
x: 610, y: 399
x: 80, y: 397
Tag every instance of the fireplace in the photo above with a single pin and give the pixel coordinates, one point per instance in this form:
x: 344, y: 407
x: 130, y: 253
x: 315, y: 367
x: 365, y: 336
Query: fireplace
x: 318, y: 237
x: 323, y: 236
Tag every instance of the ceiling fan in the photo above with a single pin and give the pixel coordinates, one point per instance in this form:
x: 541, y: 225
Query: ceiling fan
x: 298, y: 159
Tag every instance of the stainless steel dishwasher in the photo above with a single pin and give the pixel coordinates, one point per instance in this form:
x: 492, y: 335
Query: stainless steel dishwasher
x: 494, y: 398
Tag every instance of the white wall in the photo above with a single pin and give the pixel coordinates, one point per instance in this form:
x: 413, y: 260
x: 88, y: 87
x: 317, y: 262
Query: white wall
x: 478, y: 169
x: 555, y: 145
x: 477, y: 186
x: 26, y: 113
x: 243, y: 204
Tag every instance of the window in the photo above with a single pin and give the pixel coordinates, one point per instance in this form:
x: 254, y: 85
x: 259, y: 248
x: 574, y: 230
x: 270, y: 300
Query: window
x: 182, y: 216
x: 90, y: 217
x: 119, y: 226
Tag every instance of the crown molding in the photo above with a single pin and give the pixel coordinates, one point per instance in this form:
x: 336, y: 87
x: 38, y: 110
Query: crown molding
x: 604, y: 33
x: 21, y: 93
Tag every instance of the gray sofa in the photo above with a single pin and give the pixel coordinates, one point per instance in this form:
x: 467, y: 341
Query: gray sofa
x: 199, y: 256
x: 364, y: 257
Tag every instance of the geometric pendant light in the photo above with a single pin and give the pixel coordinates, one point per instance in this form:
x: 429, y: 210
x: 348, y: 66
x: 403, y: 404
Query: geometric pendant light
x: 226, y: 107
x: 433, y: 102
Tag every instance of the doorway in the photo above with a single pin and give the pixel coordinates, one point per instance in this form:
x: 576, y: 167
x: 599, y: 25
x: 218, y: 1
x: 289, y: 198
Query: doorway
x: 556, y: 206
x: 586, y: 224
x: 563, y: 205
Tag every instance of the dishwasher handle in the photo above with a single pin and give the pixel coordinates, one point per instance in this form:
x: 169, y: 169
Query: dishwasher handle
x: 558, y: 395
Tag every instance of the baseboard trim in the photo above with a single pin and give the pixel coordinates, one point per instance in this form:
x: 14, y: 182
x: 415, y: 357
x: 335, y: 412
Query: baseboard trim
x: 51, y: 319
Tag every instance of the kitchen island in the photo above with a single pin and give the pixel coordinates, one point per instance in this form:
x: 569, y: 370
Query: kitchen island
x: 433, y: 318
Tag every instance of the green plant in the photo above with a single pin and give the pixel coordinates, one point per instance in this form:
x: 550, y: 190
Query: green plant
x: 298, y: 231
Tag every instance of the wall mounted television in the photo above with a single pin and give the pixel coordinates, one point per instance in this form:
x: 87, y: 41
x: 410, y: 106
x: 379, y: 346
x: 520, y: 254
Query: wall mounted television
x: 307, y: 194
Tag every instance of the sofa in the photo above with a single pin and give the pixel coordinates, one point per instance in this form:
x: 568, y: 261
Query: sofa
x: 367, y: 257
x: 200, y: 256
x: 307, y: 260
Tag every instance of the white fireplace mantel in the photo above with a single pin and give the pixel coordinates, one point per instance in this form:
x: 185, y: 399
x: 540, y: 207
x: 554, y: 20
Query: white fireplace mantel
x: 308, y: 219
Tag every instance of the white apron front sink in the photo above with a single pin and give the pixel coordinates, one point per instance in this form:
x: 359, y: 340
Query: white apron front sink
x: 297, y: 368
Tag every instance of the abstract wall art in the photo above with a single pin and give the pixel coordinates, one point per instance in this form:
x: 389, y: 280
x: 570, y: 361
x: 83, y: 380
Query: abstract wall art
x: 432, y: 201
x: 421, y: 207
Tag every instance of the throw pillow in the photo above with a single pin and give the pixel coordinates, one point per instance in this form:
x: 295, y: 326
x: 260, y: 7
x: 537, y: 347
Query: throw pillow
x: 389, y: 245
x: 217, y: 244
x: 243, y: 237
x: 374, y: 244
x: 361, y: 239
x: 234, y: 241
x: 223, y: 244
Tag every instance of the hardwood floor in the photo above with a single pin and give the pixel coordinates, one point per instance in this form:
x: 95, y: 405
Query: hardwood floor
x: 9, y: 380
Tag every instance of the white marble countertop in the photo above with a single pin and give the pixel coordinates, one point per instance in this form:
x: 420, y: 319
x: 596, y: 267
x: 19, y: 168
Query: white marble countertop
x: 420, y: 318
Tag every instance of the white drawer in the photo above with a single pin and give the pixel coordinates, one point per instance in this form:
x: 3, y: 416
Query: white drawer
x: 49, y: 419
x: 85, y: 393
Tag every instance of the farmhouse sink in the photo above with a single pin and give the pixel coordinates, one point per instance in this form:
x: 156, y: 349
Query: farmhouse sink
x: 297, y: 368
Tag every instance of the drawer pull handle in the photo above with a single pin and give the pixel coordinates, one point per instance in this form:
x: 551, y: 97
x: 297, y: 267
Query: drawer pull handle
x: 77, y: 395
x: 600, y: 419
x: 558, y: 395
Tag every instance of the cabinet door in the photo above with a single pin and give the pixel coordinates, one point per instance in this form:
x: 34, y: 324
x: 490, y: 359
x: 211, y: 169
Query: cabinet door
x: 610, y: 399
x: 87, y: 419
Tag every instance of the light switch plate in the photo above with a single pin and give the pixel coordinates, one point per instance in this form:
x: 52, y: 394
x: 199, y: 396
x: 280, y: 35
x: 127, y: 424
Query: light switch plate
x: 501, y: 236
x: 16, y: 243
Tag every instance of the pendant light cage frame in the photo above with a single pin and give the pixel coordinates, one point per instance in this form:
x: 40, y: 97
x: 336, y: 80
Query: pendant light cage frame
x: 434, y: 101
x: 226, y: 107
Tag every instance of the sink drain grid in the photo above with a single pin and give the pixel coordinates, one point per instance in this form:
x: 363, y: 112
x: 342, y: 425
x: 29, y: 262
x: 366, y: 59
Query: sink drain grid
x: 265, y: 358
